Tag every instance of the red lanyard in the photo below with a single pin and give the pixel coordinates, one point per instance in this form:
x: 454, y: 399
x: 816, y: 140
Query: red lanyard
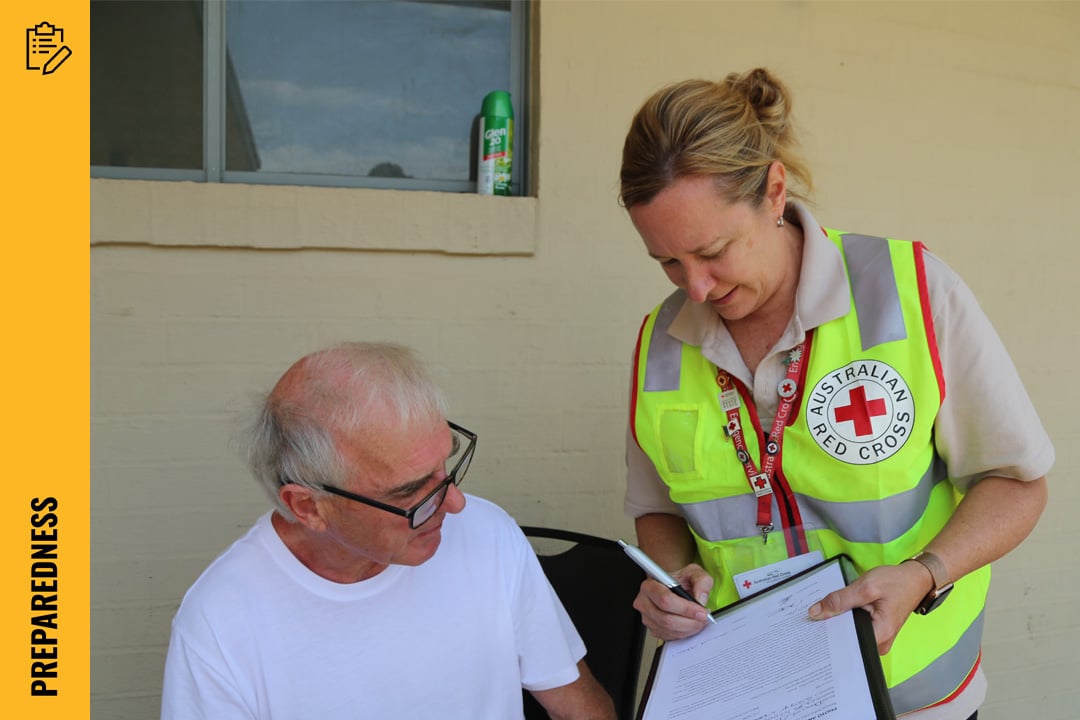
x: 761, y: 482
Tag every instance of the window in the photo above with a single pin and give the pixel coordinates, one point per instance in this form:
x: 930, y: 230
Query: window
x: 363, y: 93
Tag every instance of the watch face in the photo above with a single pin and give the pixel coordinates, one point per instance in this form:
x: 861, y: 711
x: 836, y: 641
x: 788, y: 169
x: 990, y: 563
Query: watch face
x: 933, y: 599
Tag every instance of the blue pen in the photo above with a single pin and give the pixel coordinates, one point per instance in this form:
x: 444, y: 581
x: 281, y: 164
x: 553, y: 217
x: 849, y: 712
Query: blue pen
x: 657, y: 573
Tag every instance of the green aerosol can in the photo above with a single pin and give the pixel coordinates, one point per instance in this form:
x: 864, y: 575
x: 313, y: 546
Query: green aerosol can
x: 496, y: 144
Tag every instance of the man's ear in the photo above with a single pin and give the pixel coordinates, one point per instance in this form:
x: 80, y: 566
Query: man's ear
x: 303, y: 503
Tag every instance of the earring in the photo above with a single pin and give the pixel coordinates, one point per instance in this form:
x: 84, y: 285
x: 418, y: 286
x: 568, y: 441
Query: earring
x: 780, y: 221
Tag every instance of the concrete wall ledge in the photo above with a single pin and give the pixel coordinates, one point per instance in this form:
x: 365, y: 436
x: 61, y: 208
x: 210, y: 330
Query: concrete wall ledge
x: 280, y: 217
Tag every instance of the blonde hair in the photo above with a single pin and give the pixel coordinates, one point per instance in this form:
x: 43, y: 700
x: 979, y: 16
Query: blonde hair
x: 731, y: 131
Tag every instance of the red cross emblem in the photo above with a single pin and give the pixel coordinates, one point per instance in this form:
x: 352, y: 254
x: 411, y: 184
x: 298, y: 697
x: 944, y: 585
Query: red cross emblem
x: 861, y: 411
x: 867, y: 409
x: 761, y: 485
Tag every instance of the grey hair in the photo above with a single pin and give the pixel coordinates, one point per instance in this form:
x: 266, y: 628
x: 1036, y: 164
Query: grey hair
x: 344, y: 391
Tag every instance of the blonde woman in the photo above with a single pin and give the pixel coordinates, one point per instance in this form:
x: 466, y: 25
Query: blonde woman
x: 811, y: 392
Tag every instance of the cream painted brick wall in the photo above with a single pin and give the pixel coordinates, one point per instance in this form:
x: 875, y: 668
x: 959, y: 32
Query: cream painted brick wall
x: 953, y: 123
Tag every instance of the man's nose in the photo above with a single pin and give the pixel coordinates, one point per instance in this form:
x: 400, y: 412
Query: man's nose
x: 454, y: 502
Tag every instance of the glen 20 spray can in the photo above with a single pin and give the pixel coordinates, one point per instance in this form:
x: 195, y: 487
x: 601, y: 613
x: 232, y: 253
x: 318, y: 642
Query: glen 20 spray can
x: 496, y: 144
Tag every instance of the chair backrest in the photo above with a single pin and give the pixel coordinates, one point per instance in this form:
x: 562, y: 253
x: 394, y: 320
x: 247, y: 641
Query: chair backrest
x: 597, y: 584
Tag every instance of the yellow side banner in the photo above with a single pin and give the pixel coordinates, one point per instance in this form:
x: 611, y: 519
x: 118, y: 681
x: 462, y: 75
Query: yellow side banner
x: 45, y: 603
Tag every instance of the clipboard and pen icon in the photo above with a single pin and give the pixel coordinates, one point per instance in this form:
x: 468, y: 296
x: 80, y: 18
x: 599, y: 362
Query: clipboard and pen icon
x: 45, y: 48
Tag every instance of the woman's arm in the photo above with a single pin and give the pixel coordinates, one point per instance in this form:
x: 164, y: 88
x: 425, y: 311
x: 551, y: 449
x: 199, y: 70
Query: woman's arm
x: 993, y: 518
x: 667, y: 540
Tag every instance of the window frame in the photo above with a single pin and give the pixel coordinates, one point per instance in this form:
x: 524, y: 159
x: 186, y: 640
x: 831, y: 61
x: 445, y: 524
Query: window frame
x: 214, y: 104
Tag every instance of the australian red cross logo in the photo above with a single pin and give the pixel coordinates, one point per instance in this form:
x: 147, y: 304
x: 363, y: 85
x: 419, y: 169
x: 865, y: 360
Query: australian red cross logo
x: 861, y: 413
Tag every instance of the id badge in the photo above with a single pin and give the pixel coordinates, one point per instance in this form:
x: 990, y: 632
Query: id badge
x: 756, y: 580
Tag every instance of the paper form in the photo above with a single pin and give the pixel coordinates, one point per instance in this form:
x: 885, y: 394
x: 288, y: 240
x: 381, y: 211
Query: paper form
x: 766, y: 660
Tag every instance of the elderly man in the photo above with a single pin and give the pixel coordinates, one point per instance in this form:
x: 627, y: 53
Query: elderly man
x: 375, y: 588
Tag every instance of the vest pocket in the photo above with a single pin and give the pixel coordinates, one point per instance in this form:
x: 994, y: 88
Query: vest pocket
x: 678, y: 429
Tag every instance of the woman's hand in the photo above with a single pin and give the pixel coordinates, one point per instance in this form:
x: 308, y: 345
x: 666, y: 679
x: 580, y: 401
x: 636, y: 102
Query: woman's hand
x: 668, y: 616
x: 889, y: 593
x: 994, y: 516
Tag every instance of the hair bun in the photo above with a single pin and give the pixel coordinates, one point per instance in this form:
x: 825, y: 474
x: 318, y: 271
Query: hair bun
x: 766, y: 95
x: 731, y: 130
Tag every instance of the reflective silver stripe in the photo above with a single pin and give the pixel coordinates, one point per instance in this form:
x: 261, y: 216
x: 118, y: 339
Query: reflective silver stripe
x: 737, y: 513
x: 664, y: 362
x: 867, y: 521
x: 873, y: 288
x: 873, y: 521
x: 943, y: 676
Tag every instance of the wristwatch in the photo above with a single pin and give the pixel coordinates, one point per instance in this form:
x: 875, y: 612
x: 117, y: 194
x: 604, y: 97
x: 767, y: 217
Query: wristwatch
x: 941, y: 589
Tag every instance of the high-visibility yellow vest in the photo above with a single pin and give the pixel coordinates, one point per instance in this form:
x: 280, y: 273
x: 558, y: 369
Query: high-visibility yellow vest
x: 857, y: 455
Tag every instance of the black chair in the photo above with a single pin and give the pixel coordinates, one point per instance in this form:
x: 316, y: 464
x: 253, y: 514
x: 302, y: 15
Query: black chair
x: 597, y: 584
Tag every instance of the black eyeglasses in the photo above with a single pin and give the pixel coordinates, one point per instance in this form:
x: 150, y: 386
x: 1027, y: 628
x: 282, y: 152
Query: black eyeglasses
x: 422, y: 511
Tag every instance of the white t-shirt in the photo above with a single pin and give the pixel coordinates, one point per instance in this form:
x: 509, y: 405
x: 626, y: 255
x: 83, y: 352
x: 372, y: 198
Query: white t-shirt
x: 260, y: 636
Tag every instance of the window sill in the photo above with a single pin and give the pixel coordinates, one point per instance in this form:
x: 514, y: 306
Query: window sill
x: 197, y: 214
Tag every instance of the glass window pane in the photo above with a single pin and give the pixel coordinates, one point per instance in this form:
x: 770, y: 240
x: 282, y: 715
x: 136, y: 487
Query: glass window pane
x: 388, y: 88
x: 146, y: 84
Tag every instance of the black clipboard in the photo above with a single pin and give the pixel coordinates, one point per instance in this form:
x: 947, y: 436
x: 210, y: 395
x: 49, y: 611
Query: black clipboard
x: 864, y: 633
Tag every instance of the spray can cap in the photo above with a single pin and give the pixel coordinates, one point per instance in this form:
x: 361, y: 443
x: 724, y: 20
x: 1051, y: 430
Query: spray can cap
x: 497, y: 104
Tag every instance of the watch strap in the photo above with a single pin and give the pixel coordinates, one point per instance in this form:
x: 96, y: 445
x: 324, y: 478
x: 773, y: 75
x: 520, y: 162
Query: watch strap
x: 935, y: 566
x: 938, y: 574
